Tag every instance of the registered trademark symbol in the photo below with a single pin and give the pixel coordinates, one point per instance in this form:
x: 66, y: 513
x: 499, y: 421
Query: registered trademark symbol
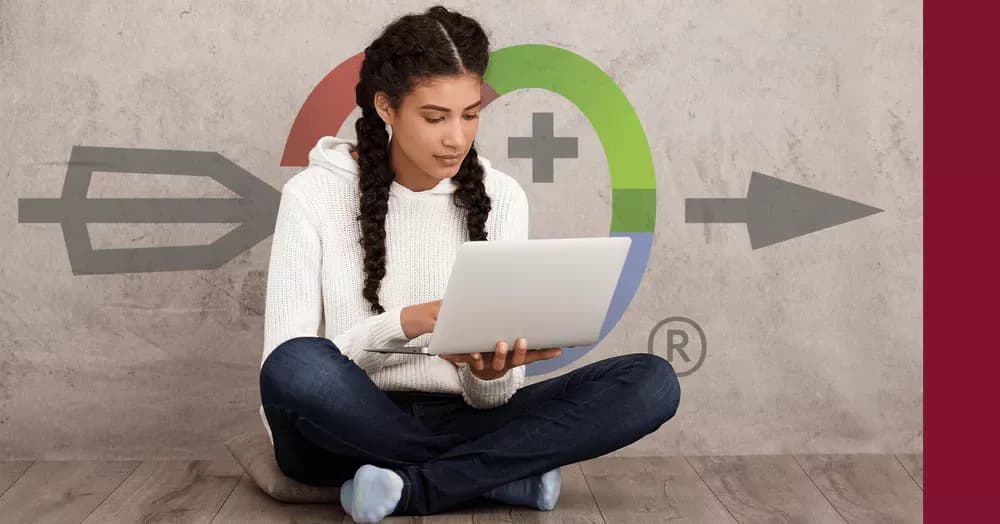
x: 684, y: 352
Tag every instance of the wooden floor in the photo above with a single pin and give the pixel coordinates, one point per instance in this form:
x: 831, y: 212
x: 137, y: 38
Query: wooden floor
x: 745, y: 489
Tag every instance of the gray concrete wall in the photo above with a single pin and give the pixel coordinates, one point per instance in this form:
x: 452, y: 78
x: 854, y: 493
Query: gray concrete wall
x: 813, y: 344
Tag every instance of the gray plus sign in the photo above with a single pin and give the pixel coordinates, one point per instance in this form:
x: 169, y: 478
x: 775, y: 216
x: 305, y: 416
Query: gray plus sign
x: 541, y: 147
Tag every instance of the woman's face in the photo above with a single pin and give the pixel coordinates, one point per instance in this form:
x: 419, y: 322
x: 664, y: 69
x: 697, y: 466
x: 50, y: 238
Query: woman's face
x: 439, y: 118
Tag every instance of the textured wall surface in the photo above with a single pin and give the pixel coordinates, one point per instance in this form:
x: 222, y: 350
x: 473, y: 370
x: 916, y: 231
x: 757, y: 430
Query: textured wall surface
x: 814, y: 344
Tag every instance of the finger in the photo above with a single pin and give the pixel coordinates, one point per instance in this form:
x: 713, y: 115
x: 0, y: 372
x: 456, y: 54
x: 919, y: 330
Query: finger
x: 520, y: 349
x: 477, y: 361
x: 456, y: 357
x: 500, y: 356
x: 543, y: 354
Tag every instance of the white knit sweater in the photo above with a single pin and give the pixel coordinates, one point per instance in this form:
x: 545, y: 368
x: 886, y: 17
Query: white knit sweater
x: 316, y: 268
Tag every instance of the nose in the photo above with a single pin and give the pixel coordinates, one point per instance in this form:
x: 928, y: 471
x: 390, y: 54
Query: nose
x: 454, y: 137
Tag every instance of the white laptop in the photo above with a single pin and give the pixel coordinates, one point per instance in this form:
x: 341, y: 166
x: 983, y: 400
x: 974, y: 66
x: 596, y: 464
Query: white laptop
x: 553, y: 292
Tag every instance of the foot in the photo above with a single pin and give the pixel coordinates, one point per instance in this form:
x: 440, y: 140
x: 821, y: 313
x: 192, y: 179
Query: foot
x: 347, y: 495
x: 539, y: 492
x: 372, y: 494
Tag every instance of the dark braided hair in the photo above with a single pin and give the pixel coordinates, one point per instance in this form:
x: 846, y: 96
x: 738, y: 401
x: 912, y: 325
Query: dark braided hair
x: 411, y: 49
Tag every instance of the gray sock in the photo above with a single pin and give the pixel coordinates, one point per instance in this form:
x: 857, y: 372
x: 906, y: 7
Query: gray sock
x: 347, y: 495
x: 372, y: 494
x: 539, y: 492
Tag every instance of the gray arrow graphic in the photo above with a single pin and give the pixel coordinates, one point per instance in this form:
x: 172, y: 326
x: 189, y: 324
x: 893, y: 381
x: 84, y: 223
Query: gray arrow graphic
x: 256, y: 210
x: 775, y: 210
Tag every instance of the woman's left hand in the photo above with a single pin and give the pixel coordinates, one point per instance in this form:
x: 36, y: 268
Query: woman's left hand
x: 493, y: 365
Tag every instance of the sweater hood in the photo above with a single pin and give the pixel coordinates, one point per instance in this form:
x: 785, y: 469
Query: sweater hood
x: 334, y: 154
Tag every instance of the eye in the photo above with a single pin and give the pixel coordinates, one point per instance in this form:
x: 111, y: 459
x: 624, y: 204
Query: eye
x: 436, y: 120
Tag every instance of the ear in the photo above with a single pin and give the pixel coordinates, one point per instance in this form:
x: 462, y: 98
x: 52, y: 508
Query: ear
x: 383, y: 107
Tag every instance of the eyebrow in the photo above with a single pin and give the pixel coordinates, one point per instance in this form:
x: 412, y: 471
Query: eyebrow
x: 445, y: 109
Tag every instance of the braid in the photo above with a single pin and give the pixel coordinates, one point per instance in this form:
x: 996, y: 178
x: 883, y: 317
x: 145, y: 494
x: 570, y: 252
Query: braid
x: 437, y: 42
x: 373, y: 160
x: 471, y: 196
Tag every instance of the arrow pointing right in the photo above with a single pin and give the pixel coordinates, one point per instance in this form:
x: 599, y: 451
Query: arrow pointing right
x: 775, y: 210
x: 255, y: 210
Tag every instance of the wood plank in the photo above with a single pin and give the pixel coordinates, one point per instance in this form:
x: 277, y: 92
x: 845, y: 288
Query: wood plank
x: 866, y: 488
x: 765, y: 488
x: 62, y: 491
x: 10, y: 471
x: 576, y: 505
x: 914, y: 465
x: 248, y: 504
x: 652, y: 489
x: 170, y: 491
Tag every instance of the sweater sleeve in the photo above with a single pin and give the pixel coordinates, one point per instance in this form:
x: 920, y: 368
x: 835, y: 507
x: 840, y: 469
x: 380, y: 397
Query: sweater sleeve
x: 381, y: 330
x: 485, y: 394
x: 294, y: 303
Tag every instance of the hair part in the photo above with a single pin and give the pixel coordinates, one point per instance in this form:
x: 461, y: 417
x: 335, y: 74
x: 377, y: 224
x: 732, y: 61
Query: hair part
x: 411, y: 50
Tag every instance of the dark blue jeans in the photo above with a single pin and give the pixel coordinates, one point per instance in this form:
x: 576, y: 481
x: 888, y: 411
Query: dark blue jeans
x: 328, y: 418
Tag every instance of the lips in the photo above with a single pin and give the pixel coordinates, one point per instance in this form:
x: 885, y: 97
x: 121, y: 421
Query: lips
x: 455, y: 157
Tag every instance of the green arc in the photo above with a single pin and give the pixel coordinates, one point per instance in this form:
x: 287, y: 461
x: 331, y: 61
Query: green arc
x: 606, y: 108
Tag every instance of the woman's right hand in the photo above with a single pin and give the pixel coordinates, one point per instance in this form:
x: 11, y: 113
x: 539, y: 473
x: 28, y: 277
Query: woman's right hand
x: 419, y: 318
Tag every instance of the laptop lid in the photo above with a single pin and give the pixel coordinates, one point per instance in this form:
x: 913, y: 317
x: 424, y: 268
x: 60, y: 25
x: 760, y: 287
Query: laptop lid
x: 553, y: 292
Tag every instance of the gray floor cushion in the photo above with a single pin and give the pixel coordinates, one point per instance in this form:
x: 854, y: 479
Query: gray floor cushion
x: 254, y: 453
